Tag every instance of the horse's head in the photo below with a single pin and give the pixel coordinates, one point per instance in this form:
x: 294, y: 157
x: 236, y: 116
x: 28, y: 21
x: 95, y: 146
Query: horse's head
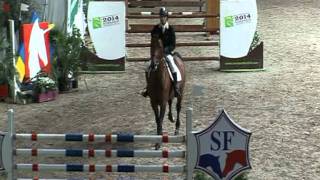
x: 156, y: 51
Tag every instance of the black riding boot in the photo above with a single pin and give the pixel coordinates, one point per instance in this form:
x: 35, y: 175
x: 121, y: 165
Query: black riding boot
x: 175, y: 85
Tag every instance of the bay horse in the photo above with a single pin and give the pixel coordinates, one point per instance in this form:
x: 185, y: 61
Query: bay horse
x: 159, y: 85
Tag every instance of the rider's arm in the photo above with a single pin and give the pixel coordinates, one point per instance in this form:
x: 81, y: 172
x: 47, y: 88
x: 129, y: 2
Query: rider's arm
x: 172, y: 40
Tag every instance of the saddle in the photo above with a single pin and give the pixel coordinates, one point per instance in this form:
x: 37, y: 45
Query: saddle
x: 175, y: 67
x: 152, y: 68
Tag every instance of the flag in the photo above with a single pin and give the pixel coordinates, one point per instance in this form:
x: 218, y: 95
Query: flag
x: 20, y: 66
x: 37, y: 47
x: 24, y: 7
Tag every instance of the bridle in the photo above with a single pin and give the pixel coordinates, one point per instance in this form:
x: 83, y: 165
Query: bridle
x: 155, y: 64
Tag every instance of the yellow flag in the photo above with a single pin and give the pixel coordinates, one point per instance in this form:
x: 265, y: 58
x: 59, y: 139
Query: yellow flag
x: 20, y: 68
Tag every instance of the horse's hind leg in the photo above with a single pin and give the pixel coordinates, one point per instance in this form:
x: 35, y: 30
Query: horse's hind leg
x: 170, y: 117
x: 178, y: 108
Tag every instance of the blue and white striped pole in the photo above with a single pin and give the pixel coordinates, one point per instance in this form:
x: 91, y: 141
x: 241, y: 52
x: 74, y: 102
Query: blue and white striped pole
x: 101, y: 168
x: 101, y: 153
x: 109, y: 138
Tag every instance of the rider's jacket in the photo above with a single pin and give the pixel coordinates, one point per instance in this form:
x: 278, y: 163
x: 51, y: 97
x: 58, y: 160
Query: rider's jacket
x: 167, y: 36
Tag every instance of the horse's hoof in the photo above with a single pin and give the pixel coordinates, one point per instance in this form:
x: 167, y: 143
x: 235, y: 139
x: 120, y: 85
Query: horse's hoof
x: 157, y: 146
x: 176, y: 132
x: 171, y: 119
x: 144, y: 93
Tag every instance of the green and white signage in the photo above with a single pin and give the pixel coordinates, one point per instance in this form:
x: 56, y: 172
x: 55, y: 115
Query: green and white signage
x: 76, y: 16
x: 106, y: 23
x: 238, y: 25
x: 101, y: 22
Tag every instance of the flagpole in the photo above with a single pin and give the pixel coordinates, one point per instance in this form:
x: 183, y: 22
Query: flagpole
x: 13, y: 48
x: 20, y: 16
x: 44, y: 10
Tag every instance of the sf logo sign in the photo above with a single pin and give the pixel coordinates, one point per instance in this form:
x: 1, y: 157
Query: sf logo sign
x: 222, y: 148
x: 221, y: 142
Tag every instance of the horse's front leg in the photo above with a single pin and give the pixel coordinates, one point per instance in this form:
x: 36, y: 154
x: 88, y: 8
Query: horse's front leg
x: 178, y: 108
x: 159, y: 123
x: 161, y: 116
x: 156, y: 115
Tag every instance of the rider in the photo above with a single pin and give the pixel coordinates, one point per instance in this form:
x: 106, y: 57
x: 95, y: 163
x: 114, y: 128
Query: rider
x: 167, y: 35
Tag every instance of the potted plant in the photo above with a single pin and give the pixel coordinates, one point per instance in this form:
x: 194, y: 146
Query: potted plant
x: 4, y: 86
x: 44, y: 88
x: 255, y: 42
x: 66, y: 62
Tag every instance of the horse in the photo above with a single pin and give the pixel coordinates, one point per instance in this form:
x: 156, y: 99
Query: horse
x: 159, y: 85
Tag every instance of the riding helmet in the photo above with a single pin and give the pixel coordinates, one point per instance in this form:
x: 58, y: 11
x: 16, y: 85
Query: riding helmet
x: 163, y: 12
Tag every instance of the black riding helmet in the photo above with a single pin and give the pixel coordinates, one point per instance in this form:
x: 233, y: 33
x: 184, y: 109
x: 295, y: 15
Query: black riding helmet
x: 163, y: 12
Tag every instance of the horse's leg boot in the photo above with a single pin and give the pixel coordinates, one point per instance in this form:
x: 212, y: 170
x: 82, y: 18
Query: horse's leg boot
x: 175, y: 85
